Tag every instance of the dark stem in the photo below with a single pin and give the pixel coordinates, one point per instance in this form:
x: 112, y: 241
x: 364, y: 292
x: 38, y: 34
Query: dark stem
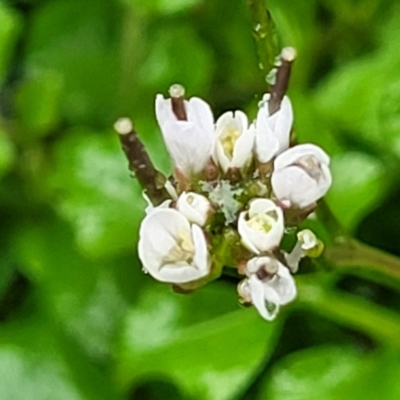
x: 151, y: 180
x: 177, y: 93
x: 279, y: 88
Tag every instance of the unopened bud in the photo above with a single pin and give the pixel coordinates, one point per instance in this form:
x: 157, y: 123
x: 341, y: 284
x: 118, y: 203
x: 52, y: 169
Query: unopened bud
x: 244, y: 292
x: 211, y: 172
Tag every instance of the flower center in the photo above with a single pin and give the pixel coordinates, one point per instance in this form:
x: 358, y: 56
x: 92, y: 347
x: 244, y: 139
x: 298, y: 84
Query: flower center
x: 311, y: 165
x: 228, y: 140
x: 261, y: 222
x: 183, y: 250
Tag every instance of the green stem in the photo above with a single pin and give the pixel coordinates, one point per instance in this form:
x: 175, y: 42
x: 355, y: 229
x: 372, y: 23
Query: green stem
x: 349, y: 310
x: 355, y: 256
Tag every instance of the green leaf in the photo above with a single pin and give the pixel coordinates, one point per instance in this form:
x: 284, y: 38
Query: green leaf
x: 334, y: 372
x: 88, y: 300
x: 37, y: 104
x: 10, y: 26
x: 78, y: 42
x: 161, y: 6
x: 176, y: 55
x: 36, y: 364
x: 311, y: 374
x: 7, y: 153
x: 90, y: 187
x: 198, y: 341
x: 358, y: 186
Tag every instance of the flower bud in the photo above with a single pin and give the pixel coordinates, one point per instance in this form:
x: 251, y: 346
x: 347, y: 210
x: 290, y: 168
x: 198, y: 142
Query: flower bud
x: 171, y: 249
x: 234, y: 141
x: 261, y: 228
x: 194, y: 207
x: 273, y: 131
x: 301, y: 175
x: 188, y: 141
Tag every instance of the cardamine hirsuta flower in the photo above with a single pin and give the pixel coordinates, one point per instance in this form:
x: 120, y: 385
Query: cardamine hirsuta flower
x: 236, y: 188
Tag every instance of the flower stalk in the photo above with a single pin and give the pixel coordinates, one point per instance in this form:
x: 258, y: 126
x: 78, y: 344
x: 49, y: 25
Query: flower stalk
x: 151, y: 180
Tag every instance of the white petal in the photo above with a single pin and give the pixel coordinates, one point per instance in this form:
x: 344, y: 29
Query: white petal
x: 219, y: 156
x: 248, y: 236
x: 201, y: 258
x: 283, y: 124
x: 164, y: 111
x: 189, y: 148
x: 242, y: 151
x: 259, y: 297
x: 294, y: 184
x: 255, y: 240
x: 283, y: 284
x: 158, y: 233
x: 269, y: 264
x: 194, y: 207
x: 199, y: 112
x: 266, y: 146
x: 273, y: 132
x: 291, y: 155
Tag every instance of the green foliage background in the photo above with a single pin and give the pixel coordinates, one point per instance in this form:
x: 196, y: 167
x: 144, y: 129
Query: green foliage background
x: 78, y: 318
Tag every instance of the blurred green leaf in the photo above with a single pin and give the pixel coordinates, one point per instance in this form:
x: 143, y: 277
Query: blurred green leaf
x: 312, y: 373
x: 360, y: 99
x: 76, y: 40
x: 37, y: 104
x: 358, y: 186
x: 10, y: 26
x: 176, y: 55
x: 34, y: 365
x: 198, y: 341
x: 90, y: 187
x: 87, y: 299
x: 7, y: 153
x: 161, y: 6
x: 333, y: 372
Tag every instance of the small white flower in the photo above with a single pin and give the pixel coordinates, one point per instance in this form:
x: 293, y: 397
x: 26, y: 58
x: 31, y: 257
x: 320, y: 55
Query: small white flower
x: 268, y: 286
x: 307, y: 244
x: 301, y: 175
x: 261, y: 228
x: 189, y: 142
x: 194, y: 207
x: 273, y: 131
x: 234, y: 140
x: 171, y: 249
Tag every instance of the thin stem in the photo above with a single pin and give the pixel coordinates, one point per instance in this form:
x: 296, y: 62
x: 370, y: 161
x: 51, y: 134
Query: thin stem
x: 280, y: 86
x: 377, y: 322
x: 353, y: 255
x: 151, y: 180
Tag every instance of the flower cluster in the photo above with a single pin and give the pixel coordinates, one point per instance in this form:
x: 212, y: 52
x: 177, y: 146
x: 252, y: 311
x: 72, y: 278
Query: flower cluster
x: 236, y: 187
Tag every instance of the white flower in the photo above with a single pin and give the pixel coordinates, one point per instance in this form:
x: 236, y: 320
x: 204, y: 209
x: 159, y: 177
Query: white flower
x: 301, y: 175
x: 194, y: 207
x: 234, y: 140
x: 171, y: 249
x: 307, y: 245
x: 261, y: 228
x: 268, y: 286
x: 273, y: 131
x: 189, y: 142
